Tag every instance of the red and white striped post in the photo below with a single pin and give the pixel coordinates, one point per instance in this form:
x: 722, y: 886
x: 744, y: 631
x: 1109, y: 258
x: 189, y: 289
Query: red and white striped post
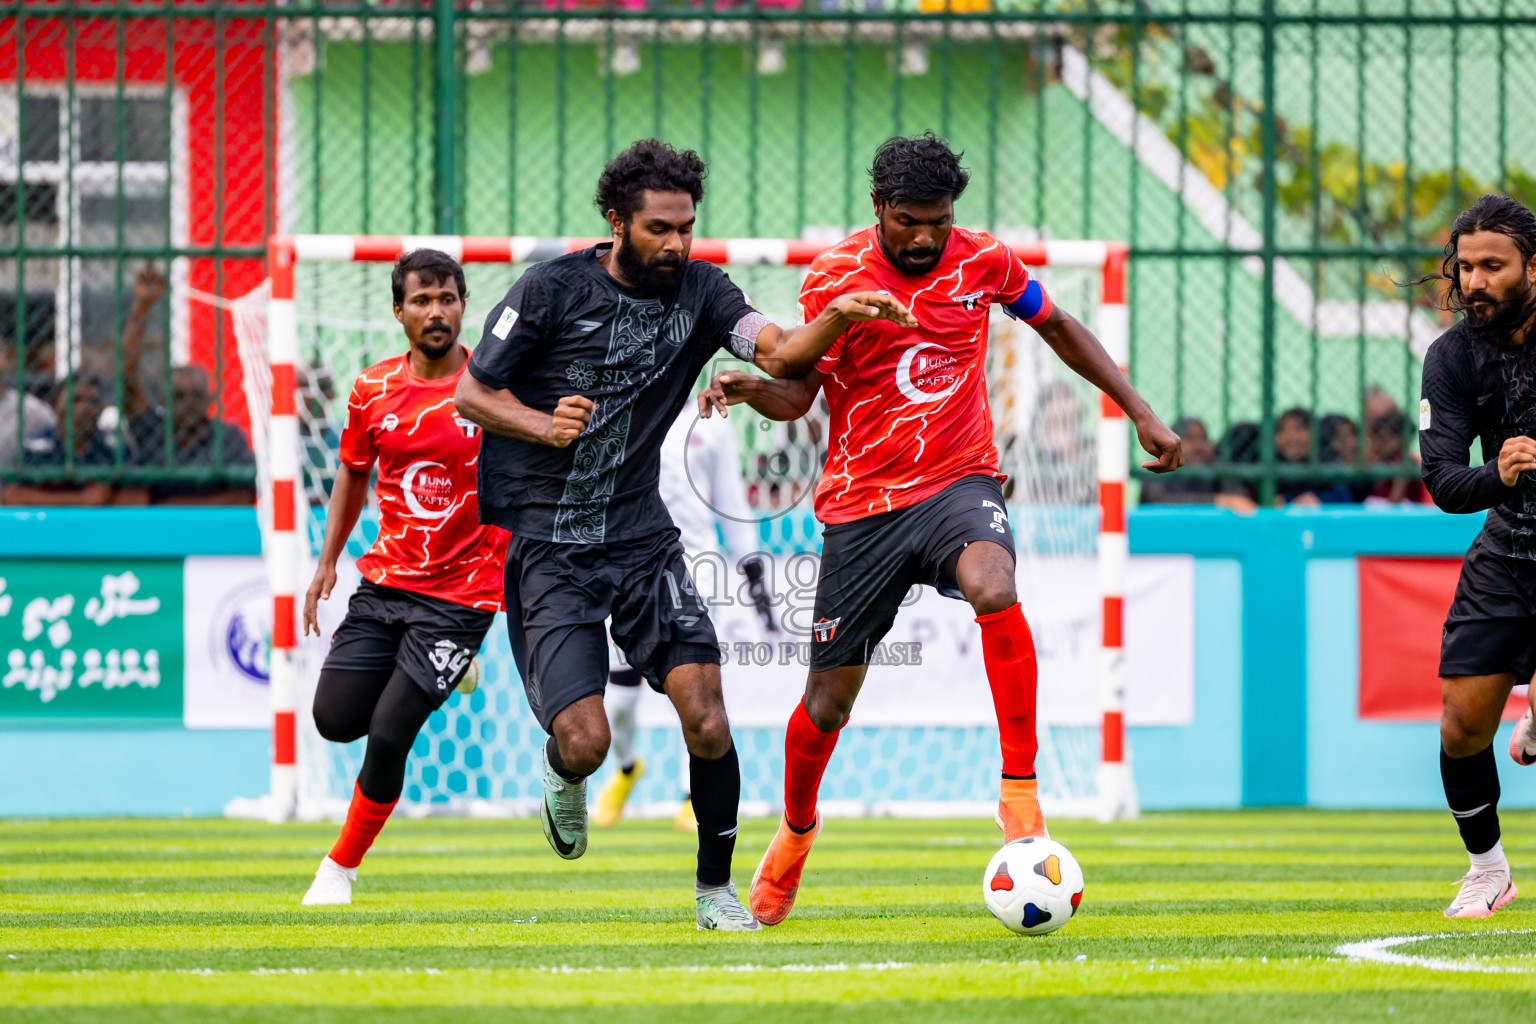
x: 283, y: 556
x: 1116, y: 798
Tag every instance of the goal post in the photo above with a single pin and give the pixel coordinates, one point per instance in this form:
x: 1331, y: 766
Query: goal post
x: 292, y: 439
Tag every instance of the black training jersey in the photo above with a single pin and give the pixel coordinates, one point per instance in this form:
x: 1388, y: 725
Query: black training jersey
x: 1473, y: 389
x: 568, y: 328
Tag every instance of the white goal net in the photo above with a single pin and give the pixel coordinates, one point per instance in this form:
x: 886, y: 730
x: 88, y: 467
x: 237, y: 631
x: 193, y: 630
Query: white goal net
x: 912, y: 745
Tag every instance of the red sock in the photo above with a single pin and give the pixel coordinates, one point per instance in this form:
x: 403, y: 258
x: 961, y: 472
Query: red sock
x: 1008, y: 650
x: 364, y: 819
x: 806, y: 752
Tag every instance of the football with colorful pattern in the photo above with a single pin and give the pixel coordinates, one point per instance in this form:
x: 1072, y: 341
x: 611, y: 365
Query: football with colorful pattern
x: 1032, y: 885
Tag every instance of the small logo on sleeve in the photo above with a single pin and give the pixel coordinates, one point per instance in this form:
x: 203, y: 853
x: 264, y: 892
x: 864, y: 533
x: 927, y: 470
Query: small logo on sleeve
x: 1424, y: 414
x: 504, y: 323
x: 825, y: 629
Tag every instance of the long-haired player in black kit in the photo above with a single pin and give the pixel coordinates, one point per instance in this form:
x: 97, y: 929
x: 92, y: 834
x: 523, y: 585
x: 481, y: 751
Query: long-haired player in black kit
x: 580, y: 372
x: 1480, y: 383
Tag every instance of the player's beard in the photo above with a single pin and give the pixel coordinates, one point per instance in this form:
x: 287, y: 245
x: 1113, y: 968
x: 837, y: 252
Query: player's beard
x: 655, y: 276
x: 434, y: 343
x: 1502, y: 318
x: 915, y: 262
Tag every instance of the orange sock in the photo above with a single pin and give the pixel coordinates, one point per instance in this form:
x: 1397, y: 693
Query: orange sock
x: 364, y: 820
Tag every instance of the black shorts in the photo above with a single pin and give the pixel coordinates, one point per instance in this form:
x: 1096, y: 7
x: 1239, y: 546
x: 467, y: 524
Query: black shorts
x: 432, y: 639
x: 1491, y: 627
x: 558, y: 596
x: 868, y: 565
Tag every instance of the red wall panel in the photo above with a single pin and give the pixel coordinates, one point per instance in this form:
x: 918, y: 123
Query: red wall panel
x: 1403, y: 602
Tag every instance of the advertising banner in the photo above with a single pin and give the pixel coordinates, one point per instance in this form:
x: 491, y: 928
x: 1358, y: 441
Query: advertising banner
x: 227, y: 636
x: 91, y: 639
x: 928, y: 670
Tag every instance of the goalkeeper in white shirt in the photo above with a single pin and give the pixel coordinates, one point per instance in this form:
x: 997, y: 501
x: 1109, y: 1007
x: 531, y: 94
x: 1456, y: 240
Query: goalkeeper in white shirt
x: 702, y: 487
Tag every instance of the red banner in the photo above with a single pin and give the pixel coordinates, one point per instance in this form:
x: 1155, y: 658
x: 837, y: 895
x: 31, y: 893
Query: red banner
x: 1403, y: 602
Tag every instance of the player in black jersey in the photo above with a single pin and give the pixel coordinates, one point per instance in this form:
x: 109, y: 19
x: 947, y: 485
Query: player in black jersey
x: 576, y: 380
x: 1480, y: 383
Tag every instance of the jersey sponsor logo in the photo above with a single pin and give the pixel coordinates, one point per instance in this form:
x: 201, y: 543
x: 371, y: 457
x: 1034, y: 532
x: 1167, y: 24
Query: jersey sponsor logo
x: 428, y: 495
x: 504, y: 323
x: 468, y: 428
x: 825, y: 629
x: 389, y: 422
x: 1424, y: 411
x: 581, y: 374
x: 933, y: 369
x: 970, y: 301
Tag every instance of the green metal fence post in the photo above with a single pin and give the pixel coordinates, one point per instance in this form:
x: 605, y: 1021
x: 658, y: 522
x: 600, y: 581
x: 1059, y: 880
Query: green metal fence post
x: 1267, y: 325
x: 445, y: 88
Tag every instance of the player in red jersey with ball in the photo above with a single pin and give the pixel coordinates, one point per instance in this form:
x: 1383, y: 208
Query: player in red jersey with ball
x: 432, y: 582
x: 912, y: 492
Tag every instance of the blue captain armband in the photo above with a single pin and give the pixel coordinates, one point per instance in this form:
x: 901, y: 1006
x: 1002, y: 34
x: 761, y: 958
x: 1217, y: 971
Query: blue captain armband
x: 1033, y: 307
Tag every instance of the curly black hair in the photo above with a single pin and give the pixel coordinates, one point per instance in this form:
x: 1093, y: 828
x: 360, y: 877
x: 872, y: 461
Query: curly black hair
x: 919, y: 169
x: 1493, y: 212
x: 648, y: 164
x: 431, y: 266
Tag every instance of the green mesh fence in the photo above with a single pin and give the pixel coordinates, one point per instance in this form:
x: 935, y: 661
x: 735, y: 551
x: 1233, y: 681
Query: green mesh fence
x: 1276, y: 165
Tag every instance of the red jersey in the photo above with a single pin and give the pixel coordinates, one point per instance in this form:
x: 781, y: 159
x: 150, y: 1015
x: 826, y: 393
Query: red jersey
x: 909, y: 412
x: 430, y: 540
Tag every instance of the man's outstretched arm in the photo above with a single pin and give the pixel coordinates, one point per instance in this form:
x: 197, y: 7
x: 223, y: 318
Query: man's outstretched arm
x: 1079, y: 349
x: 774, y: 399
x: 792, y: 352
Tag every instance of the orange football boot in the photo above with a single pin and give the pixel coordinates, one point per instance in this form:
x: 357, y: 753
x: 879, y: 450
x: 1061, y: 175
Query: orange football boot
x: 1018, y: 810
x: 777, y: 878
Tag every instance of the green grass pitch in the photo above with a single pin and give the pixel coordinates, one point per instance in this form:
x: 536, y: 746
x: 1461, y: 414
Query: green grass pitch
x: 1222, y: 916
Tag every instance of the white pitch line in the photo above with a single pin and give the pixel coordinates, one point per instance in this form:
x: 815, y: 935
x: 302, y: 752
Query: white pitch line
x: 1380, y: 951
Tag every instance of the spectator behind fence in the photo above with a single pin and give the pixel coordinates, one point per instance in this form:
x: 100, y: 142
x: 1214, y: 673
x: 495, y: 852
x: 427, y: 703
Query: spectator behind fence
x: 1338, y: 444
x: 26, y: 421
x: 1178, y: 490
x: 76, y: 438
x: 196, y: 437
x: 1386, y: 446
x: 1241, y: 445
x: 1293, y: 447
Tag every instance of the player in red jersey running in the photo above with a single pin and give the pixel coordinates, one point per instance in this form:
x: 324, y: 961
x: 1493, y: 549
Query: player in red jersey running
x: 911, y: 492
x: 431, y: 582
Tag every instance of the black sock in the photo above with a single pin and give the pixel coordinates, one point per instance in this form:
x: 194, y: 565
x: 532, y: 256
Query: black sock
x: 716, y: 787
x: 558, y: 763
x: 1472, y: 791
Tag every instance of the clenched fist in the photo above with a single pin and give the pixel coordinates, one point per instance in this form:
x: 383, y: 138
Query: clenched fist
x: 1517, y: 456
x: 571, y: 417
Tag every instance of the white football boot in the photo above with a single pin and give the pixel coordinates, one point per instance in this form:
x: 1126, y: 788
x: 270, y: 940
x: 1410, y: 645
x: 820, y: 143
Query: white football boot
x: 1522, y: 746
x: 332, y: 886
x: 721, y: 910
x: 563, y: 812
x: 1482, y: 892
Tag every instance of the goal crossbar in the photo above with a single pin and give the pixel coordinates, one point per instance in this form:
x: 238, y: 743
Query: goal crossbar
x: 286, y: 559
